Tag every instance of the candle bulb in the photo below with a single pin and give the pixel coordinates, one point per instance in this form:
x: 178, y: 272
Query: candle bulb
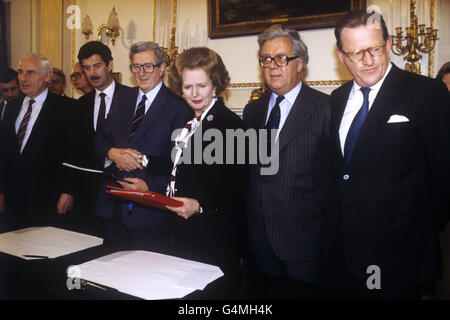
x: 422, y: 28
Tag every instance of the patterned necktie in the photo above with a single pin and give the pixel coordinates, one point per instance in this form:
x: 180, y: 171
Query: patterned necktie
x: 273, y: 122
x: 140, y: 113
x: 357, y: 123
x: 101, y: 112
x: 24, y: 125
x: 180, y: 143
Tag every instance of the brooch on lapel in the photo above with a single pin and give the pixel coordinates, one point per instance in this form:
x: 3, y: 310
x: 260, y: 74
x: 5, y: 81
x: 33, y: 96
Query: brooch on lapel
x: 210, y: 117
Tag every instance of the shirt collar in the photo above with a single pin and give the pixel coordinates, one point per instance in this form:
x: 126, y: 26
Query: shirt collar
x: 39, y: 99
x: 151, y: 94
x: 109, y: 91
x: 376, y: 86
x: 291, y: 95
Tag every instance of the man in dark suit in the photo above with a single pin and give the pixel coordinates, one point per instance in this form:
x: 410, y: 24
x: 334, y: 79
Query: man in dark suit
x: 9, y: 89
x: 35, y: 129
x: 390, y: 149
x: 92, y: 110
x: 142, y: 120
x: 286, y: 210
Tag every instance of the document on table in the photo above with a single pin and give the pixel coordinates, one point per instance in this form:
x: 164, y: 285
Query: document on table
x: 148, y: 275
x: 45, y: 242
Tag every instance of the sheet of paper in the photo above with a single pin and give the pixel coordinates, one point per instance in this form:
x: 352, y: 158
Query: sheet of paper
x: 148, y: 275
x: 45, y: 241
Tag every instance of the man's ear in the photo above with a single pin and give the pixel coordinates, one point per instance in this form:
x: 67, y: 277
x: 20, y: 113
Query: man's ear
x: 110, y: 65
x: 340, y: 55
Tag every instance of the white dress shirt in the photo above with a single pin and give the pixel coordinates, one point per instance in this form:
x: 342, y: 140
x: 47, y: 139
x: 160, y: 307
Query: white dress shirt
x: 285, y: 105
x: 109, y: 91
x: 35, y: 109
x: 354, y: 103
x: 151, y: 95
x: 3, y: 108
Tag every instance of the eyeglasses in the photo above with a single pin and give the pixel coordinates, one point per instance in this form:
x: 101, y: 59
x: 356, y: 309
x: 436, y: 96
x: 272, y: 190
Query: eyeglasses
x: 358, y: 55
x: 148, y: 67
x: 75, y: 76
x: 280, y: 61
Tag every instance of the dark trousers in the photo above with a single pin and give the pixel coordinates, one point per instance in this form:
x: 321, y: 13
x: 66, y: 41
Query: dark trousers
x: 340, y: 277
x: 115, y: 230
x: 263, y: 258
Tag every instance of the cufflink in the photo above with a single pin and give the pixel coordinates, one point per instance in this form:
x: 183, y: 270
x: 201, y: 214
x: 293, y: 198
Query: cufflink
x: 143, y: 161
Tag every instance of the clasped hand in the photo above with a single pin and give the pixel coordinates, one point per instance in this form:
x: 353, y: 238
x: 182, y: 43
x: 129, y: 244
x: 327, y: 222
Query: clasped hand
x: 125, y: 159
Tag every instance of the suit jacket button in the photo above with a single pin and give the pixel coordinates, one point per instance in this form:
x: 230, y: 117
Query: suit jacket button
x: 176, y: 190
x: 346, y: 177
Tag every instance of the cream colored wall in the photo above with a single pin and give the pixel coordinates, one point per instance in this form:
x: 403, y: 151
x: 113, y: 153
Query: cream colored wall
x: 238, y: 53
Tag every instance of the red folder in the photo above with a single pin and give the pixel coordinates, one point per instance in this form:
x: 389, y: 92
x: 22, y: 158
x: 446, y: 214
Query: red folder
x: 147, y: 198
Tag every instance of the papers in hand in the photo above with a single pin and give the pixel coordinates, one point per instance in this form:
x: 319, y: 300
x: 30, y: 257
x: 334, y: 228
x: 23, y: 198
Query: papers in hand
x: 45, y: 242
x: 104, y: 173
x: 147, y: 198
x: 148, y: 275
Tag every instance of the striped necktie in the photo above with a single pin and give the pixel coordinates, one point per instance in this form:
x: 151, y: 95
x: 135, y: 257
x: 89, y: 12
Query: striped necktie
x: 140, y: 113
x: 273, y: 122
x: 24, y: 125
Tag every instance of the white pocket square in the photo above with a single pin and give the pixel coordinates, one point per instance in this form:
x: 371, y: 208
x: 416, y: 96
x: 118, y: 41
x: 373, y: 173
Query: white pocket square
x: 395, y: 118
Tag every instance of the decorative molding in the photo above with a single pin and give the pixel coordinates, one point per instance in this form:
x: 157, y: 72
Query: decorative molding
x: 154, y: 20
x: 431, y: 54
x: 310, y: 83
x: 31, y: 25
x: 73, y: 39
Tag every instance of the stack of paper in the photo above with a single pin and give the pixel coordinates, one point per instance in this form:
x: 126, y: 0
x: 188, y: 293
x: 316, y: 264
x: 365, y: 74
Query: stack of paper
x: 45, y: 242
x: 148, y: 275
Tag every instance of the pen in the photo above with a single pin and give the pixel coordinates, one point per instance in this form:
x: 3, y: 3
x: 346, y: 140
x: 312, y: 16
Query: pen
x: 34, y: 256
x: 87, y: 283
x: 130, y: 207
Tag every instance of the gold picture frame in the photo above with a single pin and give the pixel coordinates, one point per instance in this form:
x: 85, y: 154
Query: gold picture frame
x: 229, y: 18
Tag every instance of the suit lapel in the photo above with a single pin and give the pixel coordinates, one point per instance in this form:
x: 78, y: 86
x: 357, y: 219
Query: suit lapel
x: 151, y: 115
x: 339, y: 102
x: 90, y: 98
x: 39, y: 124
x: 300, y: 112
x: 380, y: 111
x: 261, y: 116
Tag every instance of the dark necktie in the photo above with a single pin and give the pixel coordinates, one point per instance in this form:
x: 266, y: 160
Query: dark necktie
x: 101, y: 112
x: 140, y: 113
x: 273, y: 122
x: 357, y: 123
x: 24, y: 124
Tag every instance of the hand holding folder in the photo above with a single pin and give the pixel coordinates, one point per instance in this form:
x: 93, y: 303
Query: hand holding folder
x: 147, y: 198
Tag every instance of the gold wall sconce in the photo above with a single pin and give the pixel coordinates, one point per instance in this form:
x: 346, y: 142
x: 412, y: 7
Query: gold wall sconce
x: 86, y: 27
x: 416, y: 39
x: 112, y: 26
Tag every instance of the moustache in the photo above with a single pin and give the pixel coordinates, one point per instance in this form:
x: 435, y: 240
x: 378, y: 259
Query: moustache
x: 93, y: 78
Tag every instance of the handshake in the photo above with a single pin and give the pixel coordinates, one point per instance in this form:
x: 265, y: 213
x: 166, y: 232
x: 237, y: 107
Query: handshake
x: 127, y: 159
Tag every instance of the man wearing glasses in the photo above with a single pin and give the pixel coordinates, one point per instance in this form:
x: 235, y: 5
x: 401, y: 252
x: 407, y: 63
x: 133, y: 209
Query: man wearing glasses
x: 79, y: 80
x: 286, y: 210
x: 390, y: 152
x: 141, y: 122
